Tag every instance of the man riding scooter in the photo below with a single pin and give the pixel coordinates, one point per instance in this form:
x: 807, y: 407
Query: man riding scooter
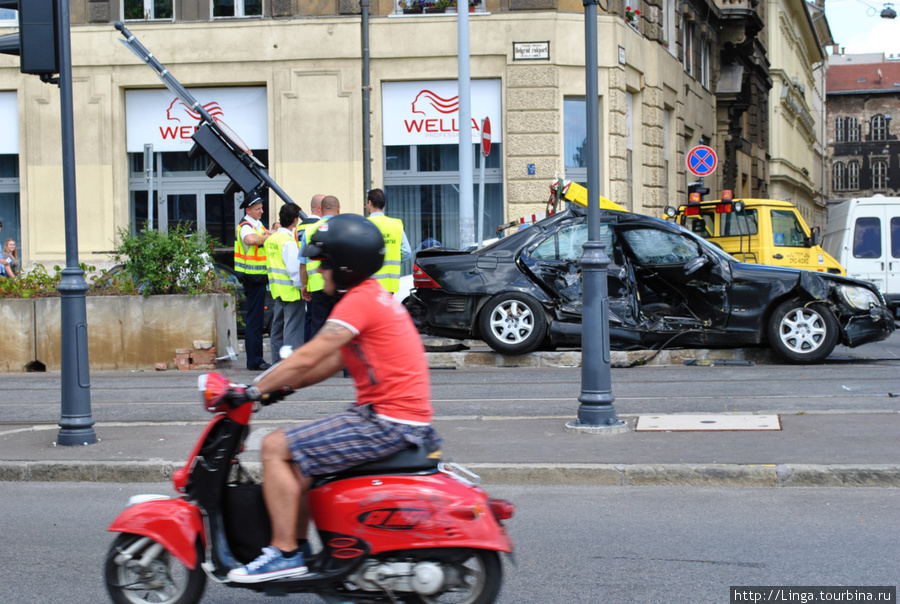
x: 374, y: 337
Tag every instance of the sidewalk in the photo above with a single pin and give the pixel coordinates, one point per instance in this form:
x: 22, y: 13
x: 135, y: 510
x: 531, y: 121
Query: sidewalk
x: 523, y: 451
x: 811, y: 449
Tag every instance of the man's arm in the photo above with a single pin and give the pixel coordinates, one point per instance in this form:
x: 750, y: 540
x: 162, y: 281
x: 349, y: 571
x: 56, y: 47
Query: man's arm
x: 315, y: 361
x: 405, y: 249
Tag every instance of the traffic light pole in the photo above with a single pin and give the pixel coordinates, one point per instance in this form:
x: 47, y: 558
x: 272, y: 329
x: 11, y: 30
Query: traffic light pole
x: 76, y: 423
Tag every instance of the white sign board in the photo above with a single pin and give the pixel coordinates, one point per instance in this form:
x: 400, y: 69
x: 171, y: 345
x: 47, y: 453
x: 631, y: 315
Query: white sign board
x: 159, y: 117
x: 427, y: 113
x: 9, y: 117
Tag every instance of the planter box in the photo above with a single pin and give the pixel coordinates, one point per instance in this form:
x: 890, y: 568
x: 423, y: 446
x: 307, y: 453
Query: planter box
x: 124, y: 332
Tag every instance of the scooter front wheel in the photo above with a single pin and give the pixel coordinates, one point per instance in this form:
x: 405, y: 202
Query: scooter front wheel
x: 478, y: 577
x: 139, y: 570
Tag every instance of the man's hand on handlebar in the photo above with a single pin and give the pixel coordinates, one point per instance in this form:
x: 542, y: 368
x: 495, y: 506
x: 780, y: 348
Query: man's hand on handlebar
x: 240, y: 395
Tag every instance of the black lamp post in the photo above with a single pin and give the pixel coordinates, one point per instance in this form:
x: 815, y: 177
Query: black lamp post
x: 596, y: 414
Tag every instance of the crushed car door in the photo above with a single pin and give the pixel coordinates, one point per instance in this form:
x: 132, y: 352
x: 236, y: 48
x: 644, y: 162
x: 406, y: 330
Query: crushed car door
x: 554, y: 264
x: 678, y: 283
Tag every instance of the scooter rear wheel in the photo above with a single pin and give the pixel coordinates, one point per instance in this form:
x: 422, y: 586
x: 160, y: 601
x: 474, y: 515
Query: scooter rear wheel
x: 165, y: 580
x: 480, y: 578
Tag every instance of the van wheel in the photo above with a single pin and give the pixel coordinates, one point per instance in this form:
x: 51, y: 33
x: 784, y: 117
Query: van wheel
x: 513, y: 323
x: 801, y: 333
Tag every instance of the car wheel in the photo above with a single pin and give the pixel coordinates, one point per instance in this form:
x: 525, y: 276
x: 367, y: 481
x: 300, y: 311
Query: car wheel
x: 801, y: 333
x: 513, y: 323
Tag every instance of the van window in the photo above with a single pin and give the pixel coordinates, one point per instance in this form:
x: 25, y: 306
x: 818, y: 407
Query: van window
x: 739, y: 223
x: 895, y: 237
x: 867, y: 238
x: 786, y: 229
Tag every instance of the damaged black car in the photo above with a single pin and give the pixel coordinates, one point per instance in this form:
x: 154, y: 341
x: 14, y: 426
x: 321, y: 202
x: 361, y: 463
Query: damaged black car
x: 667, y: 288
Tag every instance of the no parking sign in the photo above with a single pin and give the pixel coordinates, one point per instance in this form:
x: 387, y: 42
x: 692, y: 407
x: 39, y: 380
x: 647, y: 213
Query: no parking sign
x: 702, y: 160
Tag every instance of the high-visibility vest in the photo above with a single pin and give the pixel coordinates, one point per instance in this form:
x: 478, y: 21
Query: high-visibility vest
x: 280, y: 283
x: 315, y: 282
x: 392, y: 229
x: 249, y: 260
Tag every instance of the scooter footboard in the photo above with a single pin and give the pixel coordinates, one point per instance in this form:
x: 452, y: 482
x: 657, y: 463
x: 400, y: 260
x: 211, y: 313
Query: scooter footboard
x: 173, y: 523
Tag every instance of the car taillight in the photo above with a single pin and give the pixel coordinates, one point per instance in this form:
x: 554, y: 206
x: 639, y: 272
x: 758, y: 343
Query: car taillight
x: 422, y: 280
x: 502, y: 509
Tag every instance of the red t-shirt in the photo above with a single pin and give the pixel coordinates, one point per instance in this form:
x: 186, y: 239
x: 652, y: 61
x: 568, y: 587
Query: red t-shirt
x: 386, y: 358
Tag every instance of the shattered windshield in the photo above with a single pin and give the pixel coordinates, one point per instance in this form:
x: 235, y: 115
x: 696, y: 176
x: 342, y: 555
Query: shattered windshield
x: 652, y: 246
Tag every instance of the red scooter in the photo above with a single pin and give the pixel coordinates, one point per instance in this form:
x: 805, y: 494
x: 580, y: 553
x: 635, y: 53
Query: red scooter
x: 407, y: 528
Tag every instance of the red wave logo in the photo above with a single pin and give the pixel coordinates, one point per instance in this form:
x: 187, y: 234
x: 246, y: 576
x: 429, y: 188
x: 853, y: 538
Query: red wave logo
x: 427, y: 99
x: 179, y: 108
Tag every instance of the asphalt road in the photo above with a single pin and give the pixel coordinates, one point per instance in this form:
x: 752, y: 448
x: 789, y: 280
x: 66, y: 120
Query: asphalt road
x: 574, y: 544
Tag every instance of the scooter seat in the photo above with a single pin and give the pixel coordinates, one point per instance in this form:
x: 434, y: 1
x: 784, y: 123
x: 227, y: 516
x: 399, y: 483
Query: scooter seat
x: 411, y: 459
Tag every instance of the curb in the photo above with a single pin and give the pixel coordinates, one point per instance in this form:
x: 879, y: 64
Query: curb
x: 699, y: 475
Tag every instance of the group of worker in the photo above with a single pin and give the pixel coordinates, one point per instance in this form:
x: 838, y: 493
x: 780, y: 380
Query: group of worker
x: 274, y: 259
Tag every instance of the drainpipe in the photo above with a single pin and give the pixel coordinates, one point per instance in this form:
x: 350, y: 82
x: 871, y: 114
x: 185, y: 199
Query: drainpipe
x: 366, y: 98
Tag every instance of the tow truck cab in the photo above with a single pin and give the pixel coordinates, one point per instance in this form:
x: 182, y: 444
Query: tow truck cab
x: 760, y: 231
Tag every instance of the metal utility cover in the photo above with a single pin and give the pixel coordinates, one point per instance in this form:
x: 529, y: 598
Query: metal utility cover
x: 706, y: 423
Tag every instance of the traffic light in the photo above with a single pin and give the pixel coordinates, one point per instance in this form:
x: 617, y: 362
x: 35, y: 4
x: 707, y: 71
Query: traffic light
x: 224, y: 159
x: 696, y: 187
x: 37, y: 43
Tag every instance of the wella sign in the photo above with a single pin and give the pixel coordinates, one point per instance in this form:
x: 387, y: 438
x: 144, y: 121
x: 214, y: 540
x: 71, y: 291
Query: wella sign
x: 159, y: 117
x: 427, y: 113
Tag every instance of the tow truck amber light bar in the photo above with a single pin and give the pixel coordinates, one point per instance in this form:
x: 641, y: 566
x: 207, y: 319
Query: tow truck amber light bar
x: 692, y: 211
x: 723, y: 208
x: 422, y: 280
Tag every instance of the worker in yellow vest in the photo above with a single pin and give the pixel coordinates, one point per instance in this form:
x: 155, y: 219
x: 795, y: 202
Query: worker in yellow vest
x: 250, y: 265
x: 396, y: 245
x: 283, y: 265
x: 313, y: 217
x: 312, y: 284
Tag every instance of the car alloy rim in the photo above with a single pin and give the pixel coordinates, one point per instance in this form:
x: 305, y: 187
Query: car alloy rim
x: 803, y: 330
x: 512, y: 322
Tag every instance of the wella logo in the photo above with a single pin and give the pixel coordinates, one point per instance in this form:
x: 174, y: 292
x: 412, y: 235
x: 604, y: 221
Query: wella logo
x: 440, y: 115
x: 188, y: 119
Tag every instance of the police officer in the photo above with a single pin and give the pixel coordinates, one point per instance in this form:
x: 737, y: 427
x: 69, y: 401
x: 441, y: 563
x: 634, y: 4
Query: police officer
x: 396, y: 245
x: 250, y: 265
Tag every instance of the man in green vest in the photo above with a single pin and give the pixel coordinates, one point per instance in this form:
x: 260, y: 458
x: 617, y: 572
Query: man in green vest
x: 283, y: 266
x: 396, y: 245
x: 250, y: 265
x: 312, y: 284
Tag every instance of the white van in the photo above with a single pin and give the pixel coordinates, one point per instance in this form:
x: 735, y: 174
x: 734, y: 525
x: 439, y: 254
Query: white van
x: 864, y: 235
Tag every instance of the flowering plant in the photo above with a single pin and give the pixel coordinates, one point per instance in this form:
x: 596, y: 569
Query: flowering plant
x: 631, y: 15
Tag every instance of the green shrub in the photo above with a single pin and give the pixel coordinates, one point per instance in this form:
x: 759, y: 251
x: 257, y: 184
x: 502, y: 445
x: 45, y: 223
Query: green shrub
x: 177, y: 262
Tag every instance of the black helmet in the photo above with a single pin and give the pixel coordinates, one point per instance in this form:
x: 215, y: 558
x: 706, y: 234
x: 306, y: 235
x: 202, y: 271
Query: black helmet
x: 351, y: 245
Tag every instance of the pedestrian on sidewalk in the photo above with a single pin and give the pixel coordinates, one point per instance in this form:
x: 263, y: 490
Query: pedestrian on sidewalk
x: 312, y: 286
x: 315, y: 214
x: 283, y: 268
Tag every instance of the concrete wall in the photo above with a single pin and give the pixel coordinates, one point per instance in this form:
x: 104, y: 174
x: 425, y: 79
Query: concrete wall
x: 124, y: 332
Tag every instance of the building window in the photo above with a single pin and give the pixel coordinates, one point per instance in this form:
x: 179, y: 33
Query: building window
x: 840, y: 129
x: 879, y: 128
x: 134, y: 10
x: 704, y: 65
x: 853, y: 176
x: 854, y: 130
x: 838, y: 177
x: 575, y: 139
x: 237, y: 8
x: 668, y: 25
x: 421, y: 183
x: 687, y: 46
x: 879, y: 175
x: 9, y: 199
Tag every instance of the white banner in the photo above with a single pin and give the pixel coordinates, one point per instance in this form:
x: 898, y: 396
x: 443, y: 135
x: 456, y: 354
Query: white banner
x: 9, y: 117
x: 161, y: 118
x: 427, y: 113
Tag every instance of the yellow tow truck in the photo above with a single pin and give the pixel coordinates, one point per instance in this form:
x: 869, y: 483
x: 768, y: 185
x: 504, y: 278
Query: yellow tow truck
x: 761, y: 231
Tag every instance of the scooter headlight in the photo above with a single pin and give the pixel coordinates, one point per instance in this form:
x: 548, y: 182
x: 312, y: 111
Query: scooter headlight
x: 858, y: 297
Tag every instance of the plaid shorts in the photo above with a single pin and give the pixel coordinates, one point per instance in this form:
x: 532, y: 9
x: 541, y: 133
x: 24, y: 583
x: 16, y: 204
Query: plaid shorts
x: 351, y: 438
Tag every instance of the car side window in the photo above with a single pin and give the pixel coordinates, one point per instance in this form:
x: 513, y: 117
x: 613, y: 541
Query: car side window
x: 735, y: 224
x: 786, y: 229
x: 568, y: 242
x: 652, y: 246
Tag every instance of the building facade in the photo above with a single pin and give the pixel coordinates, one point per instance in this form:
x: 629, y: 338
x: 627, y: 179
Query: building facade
x: 864, y: 148
x: 286, y: 77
